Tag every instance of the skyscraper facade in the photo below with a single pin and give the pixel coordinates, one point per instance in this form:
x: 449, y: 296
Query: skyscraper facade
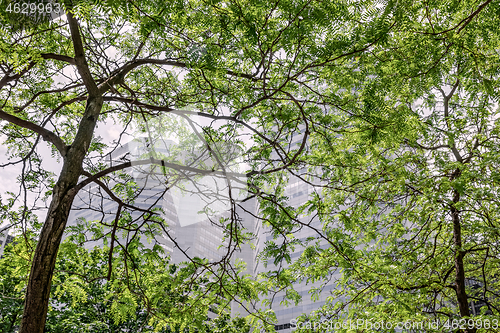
x: 192, y: 224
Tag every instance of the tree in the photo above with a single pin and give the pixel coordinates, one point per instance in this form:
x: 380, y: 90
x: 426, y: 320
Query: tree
x: 82, y: 301
x: 255, y: 65
x: 409, y: 182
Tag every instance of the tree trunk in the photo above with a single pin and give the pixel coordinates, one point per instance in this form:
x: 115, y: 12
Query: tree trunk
x: 42, y: 267
x: 44, y: 260
x: 463, y: 303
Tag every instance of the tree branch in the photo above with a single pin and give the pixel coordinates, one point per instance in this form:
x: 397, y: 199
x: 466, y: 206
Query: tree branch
x: 59, y: 57
x: 119, y: 75
x: 45, y: 133
x: 80, y: 61
x: 93, y: 178
x: 462, y: 24
x: 110, y: 254
x: 447, y: 98
x: 112, y: 195
x: 12, y: 77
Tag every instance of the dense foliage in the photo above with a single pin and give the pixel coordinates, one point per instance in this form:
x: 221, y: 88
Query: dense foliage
x: 83, y: 300
x: 409, y: 199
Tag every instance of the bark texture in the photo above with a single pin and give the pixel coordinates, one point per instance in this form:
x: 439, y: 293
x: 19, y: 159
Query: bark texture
x: 463, y: 303
x: 44, y: 260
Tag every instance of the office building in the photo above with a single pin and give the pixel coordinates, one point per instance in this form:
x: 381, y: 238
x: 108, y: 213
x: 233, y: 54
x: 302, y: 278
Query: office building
x: 5, y: 239
x: 192, y: 210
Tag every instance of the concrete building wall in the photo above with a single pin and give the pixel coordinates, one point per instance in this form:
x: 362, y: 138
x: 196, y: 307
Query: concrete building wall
x: 5, y: 239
